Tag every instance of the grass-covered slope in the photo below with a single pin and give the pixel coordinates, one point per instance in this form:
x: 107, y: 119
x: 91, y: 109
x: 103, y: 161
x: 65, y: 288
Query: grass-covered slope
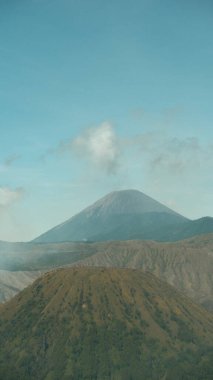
x: 95, y: 323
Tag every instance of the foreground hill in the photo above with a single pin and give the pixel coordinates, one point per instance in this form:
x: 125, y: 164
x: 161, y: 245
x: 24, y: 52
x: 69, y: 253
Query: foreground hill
x: 127, y: 215
x: 95, y: 323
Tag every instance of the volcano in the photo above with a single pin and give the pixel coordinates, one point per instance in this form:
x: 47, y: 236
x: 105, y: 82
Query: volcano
x: 120, y: 215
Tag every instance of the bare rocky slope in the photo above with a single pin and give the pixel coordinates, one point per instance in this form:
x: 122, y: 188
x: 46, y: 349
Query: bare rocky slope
x: 12, y: 283
x: 187, y: 265
x: 104, y: 324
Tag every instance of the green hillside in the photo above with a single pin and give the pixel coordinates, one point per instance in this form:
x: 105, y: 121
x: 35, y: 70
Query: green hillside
x: 95, y: 323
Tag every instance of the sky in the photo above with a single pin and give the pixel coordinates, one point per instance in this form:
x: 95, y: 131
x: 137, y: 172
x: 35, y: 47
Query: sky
x: 97, y: 96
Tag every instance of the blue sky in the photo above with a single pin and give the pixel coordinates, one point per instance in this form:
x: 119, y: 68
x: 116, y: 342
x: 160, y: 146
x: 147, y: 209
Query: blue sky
x: 99, y: 96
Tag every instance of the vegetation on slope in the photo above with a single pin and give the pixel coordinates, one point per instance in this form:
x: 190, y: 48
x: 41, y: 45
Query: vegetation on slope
x: 96, y: 323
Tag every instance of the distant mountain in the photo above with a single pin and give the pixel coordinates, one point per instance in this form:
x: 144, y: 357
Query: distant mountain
x: 192, y: 228
x: 121, y: 215
x: 95, y: 323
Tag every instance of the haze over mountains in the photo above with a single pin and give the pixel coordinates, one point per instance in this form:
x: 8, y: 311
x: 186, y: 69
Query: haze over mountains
x: 127, y: 215
x: 109, y: 317
x: 121, y: 215
x: 96, y: 323
x: 187, y: 265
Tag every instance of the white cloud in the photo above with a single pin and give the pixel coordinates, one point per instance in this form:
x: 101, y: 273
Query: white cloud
x: 100, y: 145
x: 9, y: 196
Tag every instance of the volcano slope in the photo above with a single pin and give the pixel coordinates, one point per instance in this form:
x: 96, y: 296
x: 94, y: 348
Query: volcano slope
x: 120, y: 215
x: 126, y: 215
x: 101, y: 324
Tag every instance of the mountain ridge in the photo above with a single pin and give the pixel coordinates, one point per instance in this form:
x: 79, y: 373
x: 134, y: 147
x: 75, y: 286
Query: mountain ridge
x: 187, y: 264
